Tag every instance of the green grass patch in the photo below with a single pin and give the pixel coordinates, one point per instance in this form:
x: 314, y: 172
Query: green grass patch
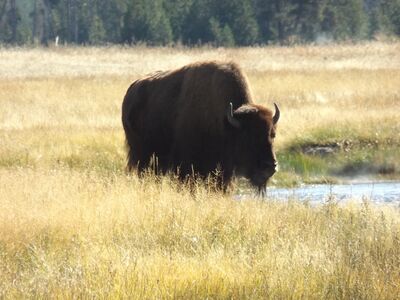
x: 325, y: 153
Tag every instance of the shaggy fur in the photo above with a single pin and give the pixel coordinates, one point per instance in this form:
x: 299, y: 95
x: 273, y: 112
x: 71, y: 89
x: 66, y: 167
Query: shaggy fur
x: 180, y: 118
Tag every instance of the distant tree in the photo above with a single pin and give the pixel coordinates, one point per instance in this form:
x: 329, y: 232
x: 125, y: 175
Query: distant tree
x: 146, y: 21
x: 160, y: 32
x: 277, y: 20
x: 41, y: 21
x: 309, y: 15
x: 176, y: 12
x: 222, y: 36
x: 97, y: 33
x: 111, y: 14
x: 240, y: 17
x: 374, y: 21
x: 72, y: 21
x: 133, y: 25
x: 356, y: 18
x: 9, y: 20
x: 390, y: 14
x: 395, y: 17
x: 197, y: 26
x: 345, y: 20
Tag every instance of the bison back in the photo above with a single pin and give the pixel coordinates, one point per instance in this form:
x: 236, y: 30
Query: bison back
x: 202, y: 136
x: 180, y: 117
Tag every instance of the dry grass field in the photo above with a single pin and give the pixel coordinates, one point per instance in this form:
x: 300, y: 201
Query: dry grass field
x: 74, y: 225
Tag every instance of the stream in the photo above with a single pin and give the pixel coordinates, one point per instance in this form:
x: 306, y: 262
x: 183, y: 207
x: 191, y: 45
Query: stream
x: 375, y: 192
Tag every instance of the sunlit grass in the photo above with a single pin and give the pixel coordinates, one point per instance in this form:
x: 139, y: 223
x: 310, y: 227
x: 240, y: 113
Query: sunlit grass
x: 76, y: 234
x: 138, y: 61
x: 74, y: 225
x: 78, y: 148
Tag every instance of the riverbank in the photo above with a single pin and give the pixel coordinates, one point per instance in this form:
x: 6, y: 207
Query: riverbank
x: 376, y: 192
x: 324, y: 163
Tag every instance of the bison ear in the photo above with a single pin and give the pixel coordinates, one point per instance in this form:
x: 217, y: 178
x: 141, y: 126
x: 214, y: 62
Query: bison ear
x: 231, y: 119
x: 236, y: 118
x: 277, y: 114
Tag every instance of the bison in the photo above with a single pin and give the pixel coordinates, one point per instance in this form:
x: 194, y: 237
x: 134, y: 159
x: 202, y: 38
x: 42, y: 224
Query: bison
x: 200, y: 120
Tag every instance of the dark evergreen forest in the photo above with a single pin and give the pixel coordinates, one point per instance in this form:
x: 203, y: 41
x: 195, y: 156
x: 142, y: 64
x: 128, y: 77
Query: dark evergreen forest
x: 195, y: 22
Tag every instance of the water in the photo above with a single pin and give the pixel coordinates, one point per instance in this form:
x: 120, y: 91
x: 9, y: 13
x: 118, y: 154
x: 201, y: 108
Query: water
x: 376, y: 192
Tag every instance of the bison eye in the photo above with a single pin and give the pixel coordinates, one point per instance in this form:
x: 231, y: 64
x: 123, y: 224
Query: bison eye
x: 273, y: 135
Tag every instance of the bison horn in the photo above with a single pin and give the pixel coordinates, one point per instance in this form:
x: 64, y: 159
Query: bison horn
x: 277, y: 114
x: 231, y: 119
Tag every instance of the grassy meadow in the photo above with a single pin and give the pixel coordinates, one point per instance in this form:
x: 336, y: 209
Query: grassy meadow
x: 74, y: 225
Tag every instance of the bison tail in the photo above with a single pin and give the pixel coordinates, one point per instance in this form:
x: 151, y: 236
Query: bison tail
x: 130, y: 138
x: 131, y: 104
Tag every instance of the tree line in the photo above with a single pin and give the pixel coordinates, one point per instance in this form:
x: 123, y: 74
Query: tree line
x: 195, y: 22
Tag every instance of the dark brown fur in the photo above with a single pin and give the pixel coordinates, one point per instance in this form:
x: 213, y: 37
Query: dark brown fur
x: 180, y: 117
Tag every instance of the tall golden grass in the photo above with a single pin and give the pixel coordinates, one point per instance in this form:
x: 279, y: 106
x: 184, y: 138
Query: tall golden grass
x: 71, y: 234
x: 74, y: 225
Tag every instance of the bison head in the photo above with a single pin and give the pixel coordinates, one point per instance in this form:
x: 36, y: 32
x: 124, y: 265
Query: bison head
x: 254, y: 130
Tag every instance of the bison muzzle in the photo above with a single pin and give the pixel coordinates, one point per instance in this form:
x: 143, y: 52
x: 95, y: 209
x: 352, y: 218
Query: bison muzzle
x: 200, y: 120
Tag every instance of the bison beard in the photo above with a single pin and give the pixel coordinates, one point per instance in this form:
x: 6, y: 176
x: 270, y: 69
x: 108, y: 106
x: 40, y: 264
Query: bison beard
x: 199, y: 119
